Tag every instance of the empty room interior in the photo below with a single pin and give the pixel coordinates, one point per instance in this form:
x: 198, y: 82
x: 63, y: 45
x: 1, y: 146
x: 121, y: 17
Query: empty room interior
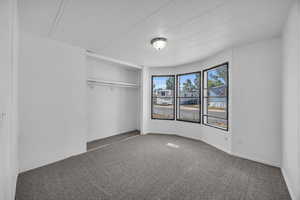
x: 150, y: 100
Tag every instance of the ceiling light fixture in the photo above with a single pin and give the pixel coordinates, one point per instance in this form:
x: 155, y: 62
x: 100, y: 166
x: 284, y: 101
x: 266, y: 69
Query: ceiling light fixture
x: 159, y: 43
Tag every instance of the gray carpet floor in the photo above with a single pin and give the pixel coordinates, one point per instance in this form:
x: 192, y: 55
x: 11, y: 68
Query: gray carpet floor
x: 147, y: 168
x: 109, y: 140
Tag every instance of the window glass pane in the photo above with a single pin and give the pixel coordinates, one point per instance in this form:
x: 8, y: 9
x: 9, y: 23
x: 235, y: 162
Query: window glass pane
x: 188, y: 109
x: 217, y: 91
x: 188, y: 103
x: 220, y: 123
x: 217, y: 77
x: 163, y: 91
x: 215, y: 105
x: 163, y: 86
x: 189, y: 85
x: 163, y: 108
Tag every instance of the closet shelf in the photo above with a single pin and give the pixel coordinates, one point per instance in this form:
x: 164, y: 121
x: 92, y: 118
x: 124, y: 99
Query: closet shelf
x: 95, y: 82
x: 112, y: 60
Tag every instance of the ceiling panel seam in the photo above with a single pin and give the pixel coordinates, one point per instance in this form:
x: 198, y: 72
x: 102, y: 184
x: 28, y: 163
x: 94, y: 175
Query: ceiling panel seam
x: 141, y: 21
x: 58, y: 16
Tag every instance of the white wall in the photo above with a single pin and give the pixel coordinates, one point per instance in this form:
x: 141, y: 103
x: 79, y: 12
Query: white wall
x: 52, y: 101
x: 254, y: 103
x: 291, y: 98
x: 111, y: 110
x: 8, y: 98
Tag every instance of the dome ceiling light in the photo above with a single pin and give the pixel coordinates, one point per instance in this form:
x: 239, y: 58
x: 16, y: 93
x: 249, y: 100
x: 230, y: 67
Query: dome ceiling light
x: 159, y: 43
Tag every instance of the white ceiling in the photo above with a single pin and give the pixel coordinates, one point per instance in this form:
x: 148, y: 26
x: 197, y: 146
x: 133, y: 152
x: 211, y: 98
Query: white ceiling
x: 122, y: 29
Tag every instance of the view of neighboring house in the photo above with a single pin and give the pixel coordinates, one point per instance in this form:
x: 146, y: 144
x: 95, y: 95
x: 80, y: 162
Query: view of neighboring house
x: 188, y: 96
x: 165, y: 94
x: 217, y: 96
x: 189, y: 93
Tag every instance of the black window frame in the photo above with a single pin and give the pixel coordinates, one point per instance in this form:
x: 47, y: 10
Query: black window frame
x: 227, y: 98
x: 174, y: 97
x: 199, y: 98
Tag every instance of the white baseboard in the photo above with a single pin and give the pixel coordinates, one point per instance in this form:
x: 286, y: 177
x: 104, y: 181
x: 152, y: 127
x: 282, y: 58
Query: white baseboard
x: 289, y: 185
x: 267, y: 162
